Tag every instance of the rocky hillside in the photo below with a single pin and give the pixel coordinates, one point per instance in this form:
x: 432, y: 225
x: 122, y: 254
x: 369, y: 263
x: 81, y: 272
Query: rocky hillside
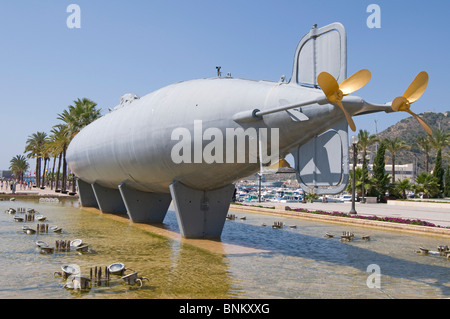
x: 409, y: 130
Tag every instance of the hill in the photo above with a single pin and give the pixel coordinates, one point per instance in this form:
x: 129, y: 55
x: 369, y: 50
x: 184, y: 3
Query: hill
x: 409, y: 130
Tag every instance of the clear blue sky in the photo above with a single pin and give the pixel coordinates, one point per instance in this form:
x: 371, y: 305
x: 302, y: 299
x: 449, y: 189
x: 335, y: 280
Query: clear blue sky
x: 139, y: 46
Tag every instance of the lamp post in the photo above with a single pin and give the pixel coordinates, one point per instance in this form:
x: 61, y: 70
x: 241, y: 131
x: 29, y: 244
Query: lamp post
x: 354, y: 141
x: 259, y: 188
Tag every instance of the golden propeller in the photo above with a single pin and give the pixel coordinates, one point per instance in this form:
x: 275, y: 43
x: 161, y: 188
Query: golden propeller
x: 412, y: 94
x: 335, y: 92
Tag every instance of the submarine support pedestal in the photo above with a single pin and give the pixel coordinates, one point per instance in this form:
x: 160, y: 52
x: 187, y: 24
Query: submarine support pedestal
x: 201, y: 214
x: 86, y: 194
x: 109, y: 200
x: 144, y: 207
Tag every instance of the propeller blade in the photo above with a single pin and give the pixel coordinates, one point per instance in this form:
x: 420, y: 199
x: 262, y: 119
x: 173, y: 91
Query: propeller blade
x: 422, y: 122
x: 350, y: 122
x: 335, y: 92
x: 417, y: 87
x: 412, y: 94
x: 400, y: 104
x: 355, y: 82
x: 328, y: 84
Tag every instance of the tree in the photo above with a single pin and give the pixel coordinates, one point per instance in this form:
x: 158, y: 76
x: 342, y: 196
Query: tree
x: 65, y: 140
x: 403, y: 186
x: 35, y: 146
x: 58, y: 139
x: 77, y: 117
x: 19, y: 165
x: 359, y: 181
x: 74, y: 119
x: 364, y: 141
x: 438, y: 172
x: 46, y: 157
x: 447, y: 182
x: 380, y: 179
x: 427, y: 184
x: 440, y: 139
x: 393, y: 146
x: 425, y: 145
x: 310, y: 197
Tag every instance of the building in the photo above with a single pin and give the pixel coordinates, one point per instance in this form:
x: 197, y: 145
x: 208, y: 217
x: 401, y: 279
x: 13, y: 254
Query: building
x: 402, y: 171
x: 5, y: 174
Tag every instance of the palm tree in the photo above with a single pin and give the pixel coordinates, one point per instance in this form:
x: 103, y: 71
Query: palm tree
x: 19, y: 165
x: 34, y: 146
x: 403, y: 186
x: 359, y: 181
x: 46, y: 157
x: 393, y: 146
x: 64, y: 140
x: 364, y: 141
x: 427, y: 184
x: 425, y: 145
x: 440, y: 139
x: 78, y: 116
x: 74, y: 119
x: 55, y: 147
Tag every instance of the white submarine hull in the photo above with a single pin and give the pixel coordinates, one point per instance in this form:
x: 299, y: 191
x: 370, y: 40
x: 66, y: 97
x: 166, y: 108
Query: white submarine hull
x: 135, y: 143
x: 129, y: 160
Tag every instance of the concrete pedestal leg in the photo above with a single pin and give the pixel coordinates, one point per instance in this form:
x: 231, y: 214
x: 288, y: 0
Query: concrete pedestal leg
x: 86, y: 194
x: 109, y: 200
x: 143, y: 207
x: 201, y: 214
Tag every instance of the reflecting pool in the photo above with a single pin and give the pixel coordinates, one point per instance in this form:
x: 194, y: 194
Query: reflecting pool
x: 250, y: 261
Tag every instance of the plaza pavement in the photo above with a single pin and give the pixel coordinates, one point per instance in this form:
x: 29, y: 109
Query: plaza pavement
x: 438, y: 214
x: 47, y: 192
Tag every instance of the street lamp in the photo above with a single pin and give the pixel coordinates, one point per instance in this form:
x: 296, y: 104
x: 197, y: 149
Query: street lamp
x: 259, y: 188
x: 354, y: 141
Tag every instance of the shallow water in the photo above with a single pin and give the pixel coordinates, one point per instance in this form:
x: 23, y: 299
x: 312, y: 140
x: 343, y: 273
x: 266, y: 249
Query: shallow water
x: 268, y: 263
